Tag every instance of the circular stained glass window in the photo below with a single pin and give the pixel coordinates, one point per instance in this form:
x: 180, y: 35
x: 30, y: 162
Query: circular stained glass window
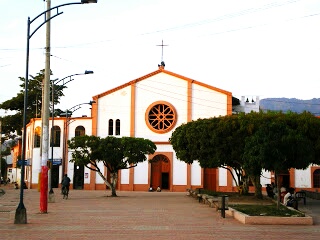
x: 161, y: 117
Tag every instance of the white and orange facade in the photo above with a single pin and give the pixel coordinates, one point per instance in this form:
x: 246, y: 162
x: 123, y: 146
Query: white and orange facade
x: 150, y: 107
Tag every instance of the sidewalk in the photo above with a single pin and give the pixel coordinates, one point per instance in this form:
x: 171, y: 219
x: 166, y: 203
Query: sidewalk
x: 135, y: 215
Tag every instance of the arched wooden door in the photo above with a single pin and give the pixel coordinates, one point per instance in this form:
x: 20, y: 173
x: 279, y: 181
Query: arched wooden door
x: 160, y: 172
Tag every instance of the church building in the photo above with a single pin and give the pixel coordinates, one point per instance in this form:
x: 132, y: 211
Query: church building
x: 152, y: 107
x: 149, y: 107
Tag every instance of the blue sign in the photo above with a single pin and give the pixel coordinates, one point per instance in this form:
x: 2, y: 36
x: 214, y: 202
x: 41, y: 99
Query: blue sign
x: 26, y: 162
x: 56, y: 161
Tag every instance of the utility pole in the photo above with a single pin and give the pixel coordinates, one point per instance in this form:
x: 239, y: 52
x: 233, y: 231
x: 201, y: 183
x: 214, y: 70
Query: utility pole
x: 45, y: 121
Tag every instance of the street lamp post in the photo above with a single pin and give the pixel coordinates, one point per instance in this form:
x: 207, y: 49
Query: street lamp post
x: 21, y: 212
x: 68, y: 79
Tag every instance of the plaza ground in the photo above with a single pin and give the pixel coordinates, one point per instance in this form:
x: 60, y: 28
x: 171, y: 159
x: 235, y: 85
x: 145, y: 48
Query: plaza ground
x: 136, y: 215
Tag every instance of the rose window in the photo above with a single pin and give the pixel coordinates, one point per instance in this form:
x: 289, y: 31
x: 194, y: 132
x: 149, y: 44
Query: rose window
x: 161, y: 117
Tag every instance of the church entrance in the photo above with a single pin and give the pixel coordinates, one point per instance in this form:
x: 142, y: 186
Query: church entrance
x: 78, y: 180
x: 209, y: 181
x: 160, y: 172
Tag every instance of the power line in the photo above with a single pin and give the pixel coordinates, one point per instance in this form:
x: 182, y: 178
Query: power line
x: 190, y: 25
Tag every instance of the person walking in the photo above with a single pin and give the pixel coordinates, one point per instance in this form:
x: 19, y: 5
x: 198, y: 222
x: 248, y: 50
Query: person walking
x: 65, y: 183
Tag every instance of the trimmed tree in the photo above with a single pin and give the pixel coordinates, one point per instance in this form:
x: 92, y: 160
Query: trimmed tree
x: 283, y: 141
x: 214, y: 142
x: 114, y: 153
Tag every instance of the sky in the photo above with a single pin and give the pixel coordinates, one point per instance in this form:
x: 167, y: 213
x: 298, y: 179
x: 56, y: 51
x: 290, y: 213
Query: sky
x: 265, y: 48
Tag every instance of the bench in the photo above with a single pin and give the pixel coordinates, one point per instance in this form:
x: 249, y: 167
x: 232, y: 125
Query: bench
x: 301, y: 195
x: 204, y: 198
x: 213, y: 202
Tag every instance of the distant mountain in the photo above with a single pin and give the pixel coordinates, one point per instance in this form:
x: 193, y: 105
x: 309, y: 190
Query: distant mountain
x: 291, y: 104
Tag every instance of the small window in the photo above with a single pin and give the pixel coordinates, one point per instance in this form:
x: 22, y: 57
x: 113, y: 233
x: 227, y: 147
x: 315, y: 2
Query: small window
x: 118, y: 127
x: 316, y: 178
x: 110, y: 127
x: 37, y: 137
x: 80, y: 131
x: 56, y: 136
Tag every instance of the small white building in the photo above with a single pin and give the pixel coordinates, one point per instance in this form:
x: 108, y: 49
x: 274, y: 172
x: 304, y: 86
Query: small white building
x: 247, y: 104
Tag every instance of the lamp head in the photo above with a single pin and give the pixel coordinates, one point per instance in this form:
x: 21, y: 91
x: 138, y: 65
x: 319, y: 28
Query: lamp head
x: 89, y: 1
x: 88, y: 72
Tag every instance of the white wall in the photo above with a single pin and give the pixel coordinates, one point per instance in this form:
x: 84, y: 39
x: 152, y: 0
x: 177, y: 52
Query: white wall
x: 124, y: 176
x: 98, y: 179
x: 207, y: 103
x: 303, y: 178
x: 114, y: 106
x: 222, y: 177
x: 179, y: 173
x: 195, y: 173
x: 161, y: 87
x: 141, y: 173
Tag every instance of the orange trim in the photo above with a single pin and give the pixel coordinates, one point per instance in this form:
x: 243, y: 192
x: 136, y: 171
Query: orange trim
x: 92, y: 184
x: 131, y: 178
x: 229, y: 104
x: 178, y: 188
x: 133, y: 110
x: 160, y: 116
x: 217, y: 179
x: 94, y: 116
x: 202, y: 177
x: 162, y: 143
x: 119, y: 181
x: 312, y: 169
x: 188, y: 176
x: 189, y: 102
x: 229, y: 181
x: 140, y: 187
x: 127, y: 84
x: 292, y: 177
x: 125, y: 187
x: 160, y: 70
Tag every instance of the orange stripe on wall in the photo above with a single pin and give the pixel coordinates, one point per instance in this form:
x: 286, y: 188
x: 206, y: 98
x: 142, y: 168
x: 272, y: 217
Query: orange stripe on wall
x: 229, y: 104
x: 94, y: 116
x: 189, y: 102
x: 132, y: 114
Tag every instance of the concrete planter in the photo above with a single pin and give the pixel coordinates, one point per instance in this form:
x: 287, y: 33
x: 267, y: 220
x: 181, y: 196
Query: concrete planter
x: 269, y: 220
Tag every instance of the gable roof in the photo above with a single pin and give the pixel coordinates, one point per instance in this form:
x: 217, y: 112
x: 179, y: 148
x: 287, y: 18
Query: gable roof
x: 161, y: 70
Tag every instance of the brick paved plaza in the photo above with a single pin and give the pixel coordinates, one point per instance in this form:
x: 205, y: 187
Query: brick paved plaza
x: 132, y: 215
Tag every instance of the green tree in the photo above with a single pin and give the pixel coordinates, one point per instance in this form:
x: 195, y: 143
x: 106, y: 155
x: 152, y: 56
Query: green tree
x: 249, y: 143
x: 214, y: 142
x: 115, y: 154
x: 283, y: 141
x: 13, y: 123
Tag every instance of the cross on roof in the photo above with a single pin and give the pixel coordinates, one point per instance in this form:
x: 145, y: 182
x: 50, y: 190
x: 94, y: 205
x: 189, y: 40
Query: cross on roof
x: 162, y: 50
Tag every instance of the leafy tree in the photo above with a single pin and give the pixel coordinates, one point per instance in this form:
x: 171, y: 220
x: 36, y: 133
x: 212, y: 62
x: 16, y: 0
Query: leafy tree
x: 249, y: 143
x: 14, y: 123
x: 281, y: 142
x: 214, y: 142
x: 115, y: 154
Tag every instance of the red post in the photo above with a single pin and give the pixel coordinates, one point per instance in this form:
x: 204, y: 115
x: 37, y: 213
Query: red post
x: 44, y: 190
